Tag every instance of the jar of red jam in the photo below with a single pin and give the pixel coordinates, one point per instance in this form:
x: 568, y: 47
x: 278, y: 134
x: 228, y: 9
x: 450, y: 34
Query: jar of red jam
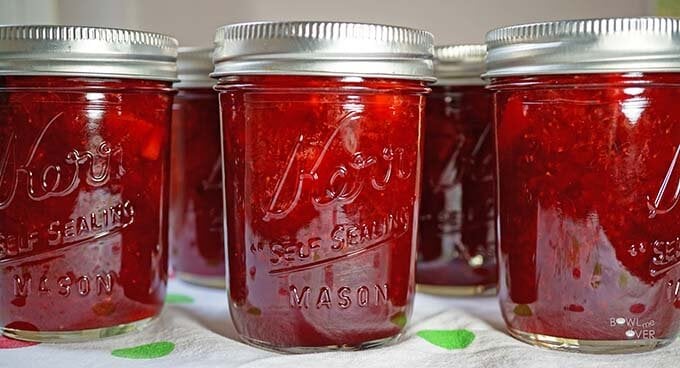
x: 196, y: 224
x: 457, y: 240
x: 588, y: 140
x: 323, y: 145
x: 84, y: 122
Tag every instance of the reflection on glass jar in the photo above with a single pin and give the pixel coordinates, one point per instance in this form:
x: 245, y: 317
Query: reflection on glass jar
x: 589, y: 183
x: 197, y: 236
x: 321, y: 191
x: 83, y: 184
x: 457, y: 241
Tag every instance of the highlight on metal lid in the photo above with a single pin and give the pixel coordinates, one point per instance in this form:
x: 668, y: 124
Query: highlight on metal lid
x: 55, y: 50
x: 645, y: 44
x: 323, y: 49
x: 194, y: 65
x: 459, y: 64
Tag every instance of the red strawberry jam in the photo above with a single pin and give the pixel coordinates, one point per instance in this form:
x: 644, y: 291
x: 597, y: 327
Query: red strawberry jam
x: 457, y: 244
x: 196, y: 188
x: 322, y: 183
x: 83, y: 196
x: 589, y: 169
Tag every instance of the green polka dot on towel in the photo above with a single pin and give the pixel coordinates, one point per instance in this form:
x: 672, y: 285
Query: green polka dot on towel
x: 178, y: 299
x: 448, y: 339
x: 147, y: 351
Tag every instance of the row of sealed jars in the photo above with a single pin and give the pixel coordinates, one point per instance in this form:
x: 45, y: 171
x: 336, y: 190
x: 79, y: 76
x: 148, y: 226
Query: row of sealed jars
x: 325, y: 137
x: 322, y: 212
x: 323, y: 165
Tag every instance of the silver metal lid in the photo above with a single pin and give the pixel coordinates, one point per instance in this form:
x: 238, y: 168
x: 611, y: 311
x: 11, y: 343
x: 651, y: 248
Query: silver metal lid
x: 646, y: 44
x: 86, y: 51
x: 459, y: 64
x: 323, y: 48
x: 194, y: 65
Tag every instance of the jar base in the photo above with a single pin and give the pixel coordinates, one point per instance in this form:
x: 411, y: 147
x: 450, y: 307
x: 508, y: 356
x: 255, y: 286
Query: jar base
x: 76, y: 336
x: 320, y: 349
x: 208, y: 281
x: 589, y: 346
x: 447, y: 290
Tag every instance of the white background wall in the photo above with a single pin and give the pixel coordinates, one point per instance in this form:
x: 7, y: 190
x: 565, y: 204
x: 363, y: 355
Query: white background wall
x: 194, y: 21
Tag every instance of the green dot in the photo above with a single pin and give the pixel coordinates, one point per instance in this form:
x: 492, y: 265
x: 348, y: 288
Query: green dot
x: 147, y: 351
x: 448, y: 339
x: 178, y: 299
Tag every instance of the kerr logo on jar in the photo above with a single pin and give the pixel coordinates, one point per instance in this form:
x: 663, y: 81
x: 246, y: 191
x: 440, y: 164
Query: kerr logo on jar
x: 32, y: 177
x: 324, y: 174
x: 666, y: 190
x: 346, y: 180
x: 665, y: 252
x: 31, y: 170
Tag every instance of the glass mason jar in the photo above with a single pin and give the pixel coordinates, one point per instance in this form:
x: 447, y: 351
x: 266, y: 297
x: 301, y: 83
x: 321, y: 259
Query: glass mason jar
x: 588, y: 139
x: 196, y: 224
x: 84, y: 119
x: 322, y: 179
x: 457, y: 239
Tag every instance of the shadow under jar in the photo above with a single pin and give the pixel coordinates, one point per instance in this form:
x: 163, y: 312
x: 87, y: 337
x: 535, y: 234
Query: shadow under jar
x: 588, y: 139
x: 196, y: 223
x: 322, y: 180
x: 83, y: 180
x: 457, y: 234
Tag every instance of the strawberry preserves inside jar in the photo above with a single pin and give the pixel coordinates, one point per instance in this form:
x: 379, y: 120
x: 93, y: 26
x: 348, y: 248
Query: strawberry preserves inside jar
x: 83, y: 187
x: 322, y: 186
x: 457, y: 241
x: 197, y: 236
x: 589, y: 175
